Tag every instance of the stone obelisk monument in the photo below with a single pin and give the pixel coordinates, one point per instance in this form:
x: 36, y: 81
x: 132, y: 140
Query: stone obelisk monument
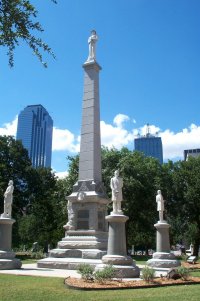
x: 162, y: 258
x: 7, y: 256
x: 117, y: 253
x: 86, y: 229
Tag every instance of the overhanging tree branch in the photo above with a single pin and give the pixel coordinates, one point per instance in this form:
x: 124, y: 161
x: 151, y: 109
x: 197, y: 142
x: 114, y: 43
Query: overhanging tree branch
x: 17, y: 23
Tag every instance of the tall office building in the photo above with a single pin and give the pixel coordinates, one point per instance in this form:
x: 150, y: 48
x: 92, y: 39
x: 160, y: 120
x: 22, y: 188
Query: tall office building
x: 150, y: 145
x: 191, y: 153
x: 35, y: 127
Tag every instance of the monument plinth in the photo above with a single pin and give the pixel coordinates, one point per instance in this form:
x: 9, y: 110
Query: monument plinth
x: 162, y: 258
x: 7, y: 256
x: 86, y: 230
x: 117, y: 252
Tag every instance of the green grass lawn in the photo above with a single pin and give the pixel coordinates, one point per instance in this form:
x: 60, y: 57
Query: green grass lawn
x: 27, y: 261
x: 141, y: 259
x: 25, y: 288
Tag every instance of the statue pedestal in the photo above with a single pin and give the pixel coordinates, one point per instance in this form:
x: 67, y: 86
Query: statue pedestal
x: 162, y: 258
x: 117, y: 254
x: 87, y: 241
x: 7, y: 257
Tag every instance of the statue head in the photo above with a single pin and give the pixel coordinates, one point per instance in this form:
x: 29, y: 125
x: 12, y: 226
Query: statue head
x: 93, y: 32
x: 81, y: 195
x: 117, y: 173
x: 159, y: 192
x: 10, y: 182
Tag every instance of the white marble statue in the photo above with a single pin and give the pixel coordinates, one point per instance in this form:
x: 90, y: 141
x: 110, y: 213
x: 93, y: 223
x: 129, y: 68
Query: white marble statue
x: 8, y: 200
x: 116, y: 185
x: 160, y: 205
x: 71, y: 216
x: 92, y: 46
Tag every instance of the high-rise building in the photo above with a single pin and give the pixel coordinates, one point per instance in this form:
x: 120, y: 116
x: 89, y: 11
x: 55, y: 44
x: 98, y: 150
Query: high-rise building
x: 35, y: 127
x: 191, y: 153
x: 150, y: 145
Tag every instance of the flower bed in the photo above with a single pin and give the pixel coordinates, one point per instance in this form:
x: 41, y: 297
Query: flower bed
x: 116, y: 284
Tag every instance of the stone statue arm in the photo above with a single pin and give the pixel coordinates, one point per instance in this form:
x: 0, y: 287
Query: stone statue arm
x: 111, y: 184
x: 8, y: 191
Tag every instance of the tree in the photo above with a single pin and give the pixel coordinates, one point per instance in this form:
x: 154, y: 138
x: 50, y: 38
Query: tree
x: 14, y: 165
x: 46, y: 213
x: 142, y: 177
x: 39, y: 205
x: 185, y: 202
x: 17, y: 22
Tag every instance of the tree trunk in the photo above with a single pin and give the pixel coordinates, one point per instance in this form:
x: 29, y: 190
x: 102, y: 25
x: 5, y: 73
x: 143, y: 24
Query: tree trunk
x: 196, y: 247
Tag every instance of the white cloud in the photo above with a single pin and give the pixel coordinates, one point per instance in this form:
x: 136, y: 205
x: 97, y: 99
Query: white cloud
x: 117, y: 137
x: 62, y: 174
x: 120, y: 119
x: 10, y: 128
x: 175, y: 143
x: 63, y: 139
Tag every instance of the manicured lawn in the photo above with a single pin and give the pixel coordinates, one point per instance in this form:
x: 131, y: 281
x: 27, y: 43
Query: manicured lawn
x: 141, y: 259
x: 195, y: 273
x: 25, y: 288
x: 27, y: 261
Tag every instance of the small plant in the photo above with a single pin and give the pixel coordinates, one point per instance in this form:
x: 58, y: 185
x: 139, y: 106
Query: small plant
x: 148, y: 274
x: 105, y: 275
x: 183, y: 272
x: 184, y: 257
x: 86, y: 272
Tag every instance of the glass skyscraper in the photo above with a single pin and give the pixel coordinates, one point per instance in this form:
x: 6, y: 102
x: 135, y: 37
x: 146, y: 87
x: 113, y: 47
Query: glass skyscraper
x: 35, y: 127
x: 151, y: 146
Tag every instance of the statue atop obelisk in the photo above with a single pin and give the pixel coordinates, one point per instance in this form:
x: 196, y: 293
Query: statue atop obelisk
x: 88, y: 200
x: 86, y: 230
x: 92, y: 46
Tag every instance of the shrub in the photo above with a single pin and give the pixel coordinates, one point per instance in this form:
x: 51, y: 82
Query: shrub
x: 29, y: 255
x: 104, y: 275
x: 183, y: 272
x: 86, y: 271
x: 184, y: 257
x: 148, y: 274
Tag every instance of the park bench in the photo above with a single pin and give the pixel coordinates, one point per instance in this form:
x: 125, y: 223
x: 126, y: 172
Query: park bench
x: 192, y: 259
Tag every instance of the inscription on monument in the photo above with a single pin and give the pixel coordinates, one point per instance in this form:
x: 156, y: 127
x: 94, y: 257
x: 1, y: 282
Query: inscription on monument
x: 83, y: 219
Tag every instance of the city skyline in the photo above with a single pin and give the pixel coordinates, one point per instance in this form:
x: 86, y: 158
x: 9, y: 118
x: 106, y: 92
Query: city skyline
x: 149, y: 53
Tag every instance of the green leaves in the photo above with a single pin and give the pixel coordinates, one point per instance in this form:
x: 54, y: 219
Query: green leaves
x: 17, y: 23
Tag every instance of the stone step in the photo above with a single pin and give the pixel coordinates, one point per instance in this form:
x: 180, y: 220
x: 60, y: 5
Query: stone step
x: 66, y: 263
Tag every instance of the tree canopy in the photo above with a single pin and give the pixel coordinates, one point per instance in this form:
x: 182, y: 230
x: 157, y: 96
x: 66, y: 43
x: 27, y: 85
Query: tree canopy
x: 40, y: 205
x: 18, y: 23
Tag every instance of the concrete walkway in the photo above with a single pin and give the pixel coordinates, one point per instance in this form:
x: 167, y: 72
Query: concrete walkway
x: 32, y: 270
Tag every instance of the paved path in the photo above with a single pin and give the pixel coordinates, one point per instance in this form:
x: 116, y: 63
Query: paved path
x: 32, y: 270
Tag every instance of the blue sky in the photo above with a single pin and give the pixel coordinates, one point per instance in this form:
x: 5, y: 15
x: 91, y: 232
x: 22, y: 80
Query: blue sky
x: 149, y: 51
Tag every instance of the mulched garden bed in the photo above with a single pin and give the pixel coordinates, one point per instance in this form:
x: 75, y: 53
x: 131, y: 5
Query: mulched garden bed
x: 191, y: 266
x: 75, y: 283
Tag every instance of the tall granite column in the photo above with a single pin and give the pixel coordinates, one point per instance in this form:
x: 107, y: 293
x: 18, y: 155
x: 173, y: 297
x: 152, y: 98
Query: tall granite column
x: 86, y: 230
